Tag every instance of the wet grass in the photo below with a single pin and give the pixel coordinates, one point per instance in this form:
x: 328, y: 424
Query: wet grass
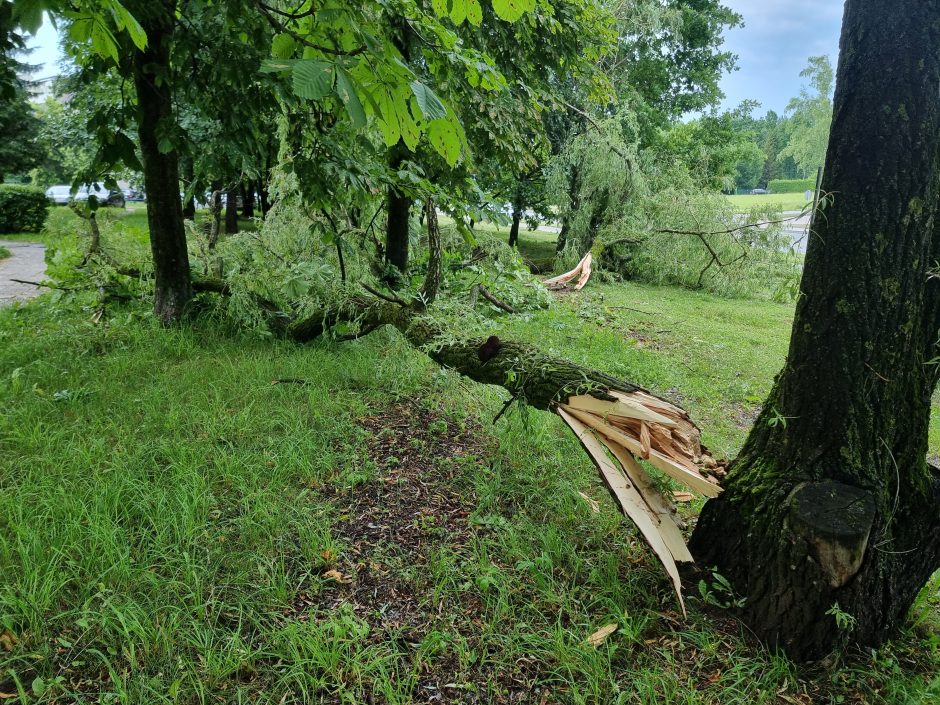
x: 176, y: 528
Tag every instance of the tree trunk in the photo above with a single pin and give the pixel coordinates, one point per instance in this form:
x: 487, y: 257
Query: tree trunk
x: 831, y: 501
x: 574, y: 202
x: 248, y: 199
x: 399, y: 213
x: 231, y: 211
x: 263, y: 197
x: 173, y: 289
x: 189, y: 206
x: 514, y: 228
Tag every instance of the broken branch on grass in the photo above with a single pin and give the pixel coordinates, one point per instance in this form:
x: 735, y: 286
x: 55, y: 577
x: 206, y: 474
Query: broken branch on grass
x: 391, y: 298
x: 485, y: 293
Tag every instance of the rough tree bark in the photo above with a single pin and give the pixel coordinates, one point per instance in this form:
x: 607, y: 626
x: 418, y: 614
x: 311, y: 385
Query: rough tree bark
x: 173, y: 289
x: 399, y: 214
x: 189, y: 205
x: 231, y: 211
x: 517, y: 209
x: 831, y: 501
x: 248, y: 199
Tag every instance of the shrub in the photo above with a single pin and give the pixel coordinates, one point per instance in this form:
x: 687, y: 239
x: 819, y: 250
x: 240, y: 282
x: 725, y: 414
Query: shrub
x: 791, y: 185
x: 22, y: 209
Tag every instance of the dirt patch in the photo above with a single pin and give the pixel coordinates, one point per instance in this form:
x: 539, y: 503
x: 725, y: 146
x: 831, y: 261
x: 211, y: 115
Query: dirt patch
x: 744, y: 415
x: 390, y: 529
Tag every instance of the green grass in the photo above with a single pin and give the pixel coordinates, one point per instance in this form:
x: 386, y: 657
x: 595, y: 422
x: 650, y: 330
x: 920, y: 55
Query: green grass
x: 4, y: 253
x: 786, y: 201
x: 169, y: 518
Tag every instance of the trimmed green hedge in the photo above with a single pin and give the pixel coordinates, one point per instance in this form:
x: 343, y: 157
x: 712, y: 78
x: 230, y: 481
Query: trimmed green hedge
x: 22, y: 209
x: 791, y: 185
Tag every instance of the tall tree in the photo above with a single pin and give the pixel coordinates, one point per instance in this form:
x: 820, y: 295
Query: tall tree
x: 150, y: 70
x: 809, y: 116
x: 829, y: 521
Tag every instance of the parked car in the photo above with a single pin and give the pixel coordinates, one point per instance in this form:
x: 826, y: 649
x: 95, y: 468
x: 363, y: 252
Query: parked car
x: 61, y: 195
x: 759, y: 192
x: 134, y: 195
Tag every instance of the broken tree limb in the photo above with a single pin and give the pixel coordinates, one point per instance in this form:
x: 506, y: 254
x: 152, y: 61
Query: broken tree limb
x: 581, y: 273
x: 615, y: 416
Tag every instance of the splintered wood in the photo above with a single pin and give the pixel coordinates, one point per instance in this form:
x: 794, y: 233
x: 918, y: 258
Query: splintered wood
x: 616, y: 432
x: 579, y: 275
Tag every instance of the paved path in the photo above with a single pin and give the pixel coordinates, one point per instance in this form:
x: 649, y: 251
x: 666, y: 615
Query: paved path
x: 28, y: 262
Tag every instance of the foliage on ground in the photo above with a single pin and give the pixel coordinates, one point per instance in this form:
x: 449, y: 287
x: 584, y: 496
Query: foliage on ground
x: 4, y: 253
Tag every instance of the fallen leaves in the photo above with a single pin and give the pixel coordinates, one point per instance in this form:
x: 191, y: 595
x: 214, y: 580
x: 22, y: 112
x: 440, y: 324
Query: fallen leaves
x: 337, y: 576
x: 598, y: 637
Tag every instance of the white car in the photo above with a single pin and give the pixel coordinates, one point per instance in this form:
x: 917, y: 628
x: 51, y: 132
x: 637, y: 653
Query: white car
x: 61, y: 195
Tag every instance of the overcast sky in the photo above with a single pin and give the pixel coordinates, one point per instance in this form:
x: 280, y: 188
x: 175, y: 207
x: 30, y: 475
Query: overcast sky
x: 772, y: 47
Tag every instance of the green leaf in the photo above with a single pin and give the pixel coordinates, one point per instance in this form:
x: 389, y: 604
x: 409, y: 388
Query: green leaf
x: 474, y: 12
x: 347, y: 93
x: 283, y: 46
x: 431, y: 106
x: 103, y: 42
x: 28, y: 15
x: 313, y: 79
x: 445, y: 138
x: 127, y: 22
x: 512, y: 10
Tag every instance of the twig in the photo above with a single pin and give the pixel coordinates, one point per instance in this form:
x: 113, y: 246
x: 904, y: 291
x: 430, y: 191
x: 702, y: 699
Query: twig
x: 506, y: 405
x: 47, y: 286
x: 290, y: 380
x: 597, y: 127
x: 362, y: 333
x: 392, y: 299
x: 485, y: 293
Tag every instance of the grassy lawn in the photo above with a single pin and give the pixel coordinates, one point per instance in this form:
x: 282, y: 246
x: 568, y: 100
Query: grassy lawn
x: 176, y: 528
x: 786, y: 201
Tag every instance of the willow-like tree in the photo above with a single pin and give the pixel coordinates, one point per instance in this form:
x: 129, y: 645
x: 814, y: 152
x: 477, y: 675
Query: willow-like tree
x: 830, y: 521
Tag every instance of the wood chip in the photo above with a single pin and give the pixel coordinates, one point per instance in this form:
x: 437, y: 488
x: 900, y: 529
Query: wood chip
x: 592, y: 503
x: 337, y: 576
x: 683, y: 496
x: 598, y: 637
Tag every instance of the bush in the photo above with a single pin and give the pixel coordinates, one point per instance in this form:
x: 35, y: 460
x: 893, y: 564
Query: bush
x: 791, y: 185
x: 22, y: 209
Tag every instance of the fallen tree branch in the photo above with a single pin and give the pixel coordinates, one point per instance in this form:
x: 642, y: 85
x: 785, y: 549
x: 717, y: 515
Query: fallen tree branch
x: 485, y: 293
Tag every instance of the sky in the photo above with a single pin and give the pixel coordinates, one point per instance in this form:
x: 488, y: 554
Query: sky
x: 772, y: 47
x: 45, y: 51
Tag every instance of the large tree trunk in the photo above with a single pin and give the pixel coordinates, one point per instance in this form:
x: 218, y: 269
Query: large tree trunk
x: 189, y: 205
x: 831, y: 501
x: 514, y: 228
x: 172, y: 290
x: 574, y: 202
x: 248, y: 199
x: 231, y: 211
x: 399, y: 215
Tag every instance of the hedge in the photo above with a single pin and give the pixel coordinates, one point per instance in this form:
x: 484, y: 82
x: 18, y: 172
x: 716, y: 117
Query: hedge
x: 22, y: 209
x: 791, y: 185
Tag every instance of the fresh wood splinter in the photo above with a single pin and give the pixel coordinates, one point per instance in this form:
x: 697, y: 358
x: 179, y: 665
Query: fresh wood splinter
x: 638, y: 425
